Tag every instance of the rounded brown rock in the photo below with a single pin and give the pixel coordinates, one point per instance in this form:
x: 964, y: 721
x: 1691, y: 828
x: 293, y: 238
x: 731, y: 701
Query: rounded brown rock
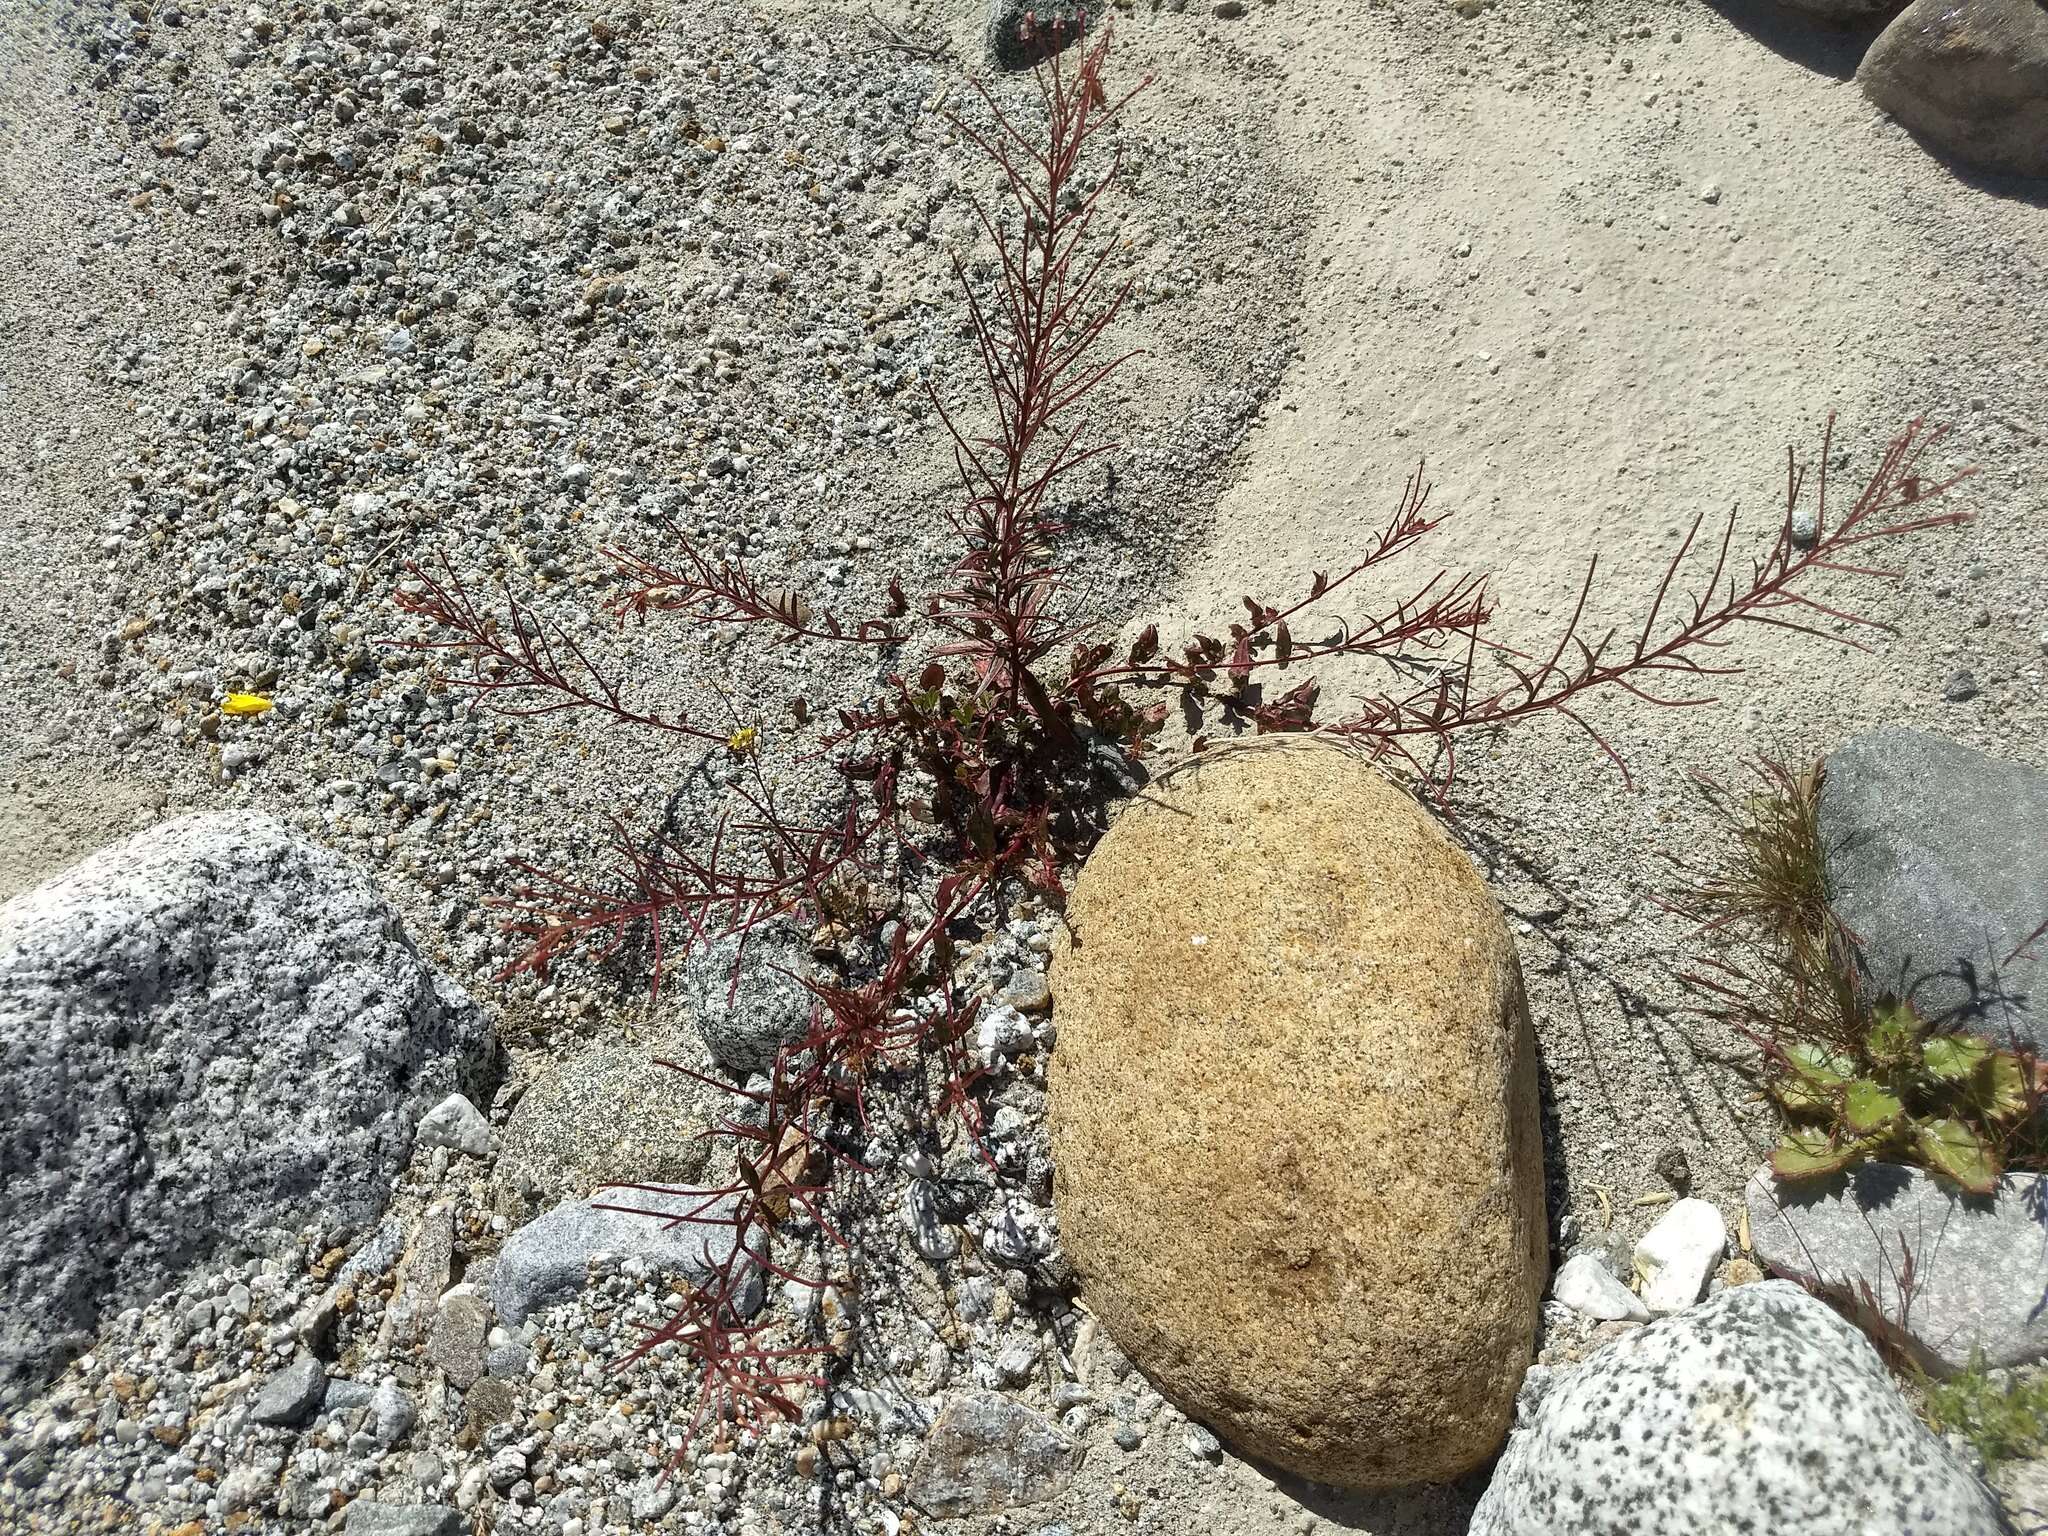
x: 1294, y: 1120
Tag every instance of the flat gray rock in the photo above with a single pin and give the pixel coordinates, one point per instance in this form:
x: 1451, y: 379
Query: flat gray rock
x: 367, y: 1519
x: 208, y: 1031
x: 292, y: 1395
x: 1978, y: 1267
x: 1759, y: 1411
x: 547, y: 1261
x: 611, y: 1115
x: 987, y: 1453
x: 1937, y: 859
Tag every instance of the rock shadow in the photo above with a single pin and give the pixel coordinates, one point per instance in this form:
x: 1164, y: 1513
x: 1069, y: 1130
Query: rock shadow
x: 1831, y: 48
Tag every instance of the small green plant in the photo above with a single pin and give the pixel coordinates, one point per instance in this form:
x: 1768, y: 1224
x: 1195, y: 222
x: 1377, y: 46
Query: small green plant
x: 1948, y: 1102
x: 2002, y: 1419
x: 1856, y: 1078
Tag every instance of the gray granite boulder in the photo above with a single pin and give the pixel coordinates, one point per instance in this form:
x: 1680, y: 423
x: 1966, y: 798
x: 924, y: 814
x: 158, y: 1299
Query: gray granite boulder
x: 1937, y: 859
x: 1760, y: 1411
x: 1948, y: 1273
x: 1970, y: 77
x: 547, y: 1261
x: 210, y: 1030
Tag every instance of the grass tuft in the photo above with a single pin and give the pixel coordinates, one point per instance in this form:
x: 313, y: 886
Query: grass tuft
x: 2001, y: 1414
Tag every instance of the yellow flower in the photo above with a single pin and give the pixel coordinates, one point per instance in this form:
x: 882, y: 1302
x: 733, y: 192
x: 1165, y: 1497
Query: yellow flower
x: 244, y: 704
x: 741, y: 741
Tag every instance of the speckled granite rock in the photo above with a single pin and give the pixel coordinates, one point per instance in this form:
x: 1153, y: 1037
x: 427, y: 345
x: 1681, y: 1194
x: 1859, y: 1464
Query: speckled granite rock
x: 744, y: 1027
x: 1979, y: 1266
x: 1760, y: 1411
x: 212, y: 1028
x: 608, y: 1116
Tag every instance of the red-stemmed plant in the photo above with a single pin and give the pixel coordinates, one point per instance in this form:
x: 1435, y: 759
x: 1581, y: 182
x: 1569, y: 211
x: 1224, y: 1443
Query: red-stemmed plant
x: 1009, y: 736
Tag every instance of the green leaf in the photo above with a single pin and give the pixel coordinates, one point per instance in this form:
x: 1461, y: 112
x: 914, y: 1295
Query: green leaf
x: 1892, y: 1033
x: 1870, y: 1107
x: 1954, y: 1151
x: 1808, y: 1153
x: 2000, y: 1087
x: 1817, y: 1074
x: 1952, y: 1058
x: 1799, y: 1097
x: 1821, y: 1065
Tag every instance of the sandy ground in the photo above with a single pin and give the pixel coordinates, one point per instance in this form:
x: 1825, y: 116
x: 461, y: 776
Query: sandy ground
x: 1599, y: 263
x: 1602, y: 282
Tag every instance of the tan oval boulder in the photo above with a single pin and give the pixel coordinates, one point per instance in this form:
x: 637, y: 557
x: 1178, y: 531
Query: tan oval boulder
x: 1294, y: 1121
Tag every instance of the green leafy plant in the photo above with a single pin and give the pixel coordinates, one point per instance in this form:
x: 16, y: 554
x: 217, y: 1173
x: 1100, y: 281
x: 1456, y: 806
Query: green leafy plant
x: 1948, y: 1102
x: 1855, y: 1078
x: 2002, y: 1418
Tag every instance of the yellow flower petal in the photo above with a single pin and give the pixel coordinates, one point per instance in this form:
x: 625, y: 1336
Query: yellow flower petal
x: 741, y: 741
x: 244, y: 704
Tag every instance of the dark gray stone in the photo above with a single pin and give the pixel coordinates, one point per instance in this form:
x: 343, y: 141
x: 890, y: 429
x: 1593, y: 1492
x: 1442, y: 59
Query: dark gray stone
x: 485, y: 1406
x: 548, y: 1261
x: 1937, y: 859
x: 1970, y: 77
x: 744, y: 1027
x: 509, y: 1362
x: 290, y: 1396
x: 1758, y: 1411
x: 986, y: 1453
x: 1009, y: 48
x: 367, y: 1519
x: 1948, y: 1273
x: 208, y: 1031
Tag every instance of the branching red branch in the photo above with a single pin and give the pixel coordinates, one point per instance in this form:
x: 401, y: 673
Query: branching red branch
x: 662, y: 884
x: 1035, y: 347
x: 525, y: 655
x: 1769, y: 595
x: 727, y: 592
